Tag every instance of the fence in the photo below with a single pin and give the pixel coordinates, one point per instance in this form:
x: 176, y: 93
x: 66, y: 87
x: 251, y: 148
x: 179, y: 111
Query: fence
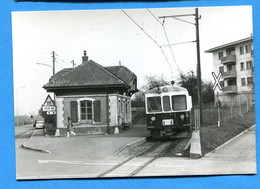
x: 231, y: 106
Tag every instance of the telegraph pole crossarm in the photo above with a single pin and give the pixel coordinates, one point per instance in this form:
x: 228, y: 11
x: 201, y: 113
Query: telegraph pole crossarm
x: 197, y: 17
x: 175, y: 16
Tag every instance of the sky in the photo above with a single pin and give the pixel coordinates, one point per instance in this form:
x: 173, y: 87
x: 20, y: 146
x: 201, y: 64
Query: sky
x: 110, y: 36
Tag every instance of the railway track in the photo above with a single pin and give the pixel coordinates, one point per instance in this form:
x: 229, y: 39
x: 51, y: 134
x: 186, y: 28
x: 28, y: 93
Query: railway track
x: 155, y: 151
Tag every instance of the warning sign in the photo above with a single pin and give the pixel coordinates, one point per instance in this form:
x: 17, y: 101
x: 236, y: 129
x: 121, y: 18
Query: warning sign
x: 49, y: 106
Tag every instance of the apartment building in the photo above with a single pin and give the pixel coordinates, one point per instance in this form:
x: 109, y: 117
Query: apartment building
x: 235, y: 62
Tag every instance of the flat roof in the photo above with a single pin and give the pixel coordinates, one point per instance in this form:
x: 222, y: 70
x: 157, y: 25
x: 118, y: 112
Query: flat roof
x: 229, y: 44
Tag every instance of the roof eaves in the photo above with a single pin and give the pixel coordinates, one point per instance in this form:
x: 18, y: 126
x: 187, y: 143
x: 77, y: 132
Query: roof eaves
x: 86, y: 86
x: 229, y: 44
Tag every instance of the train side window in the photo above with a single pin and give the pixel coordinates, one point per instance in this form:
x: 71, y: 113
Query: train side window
x: 154, y: 104
x: 166, y: 103
x: 179, y: 102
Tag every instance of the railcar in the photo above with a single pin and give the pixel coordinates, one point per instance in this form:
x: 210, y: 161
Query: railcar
x: 168, y: 111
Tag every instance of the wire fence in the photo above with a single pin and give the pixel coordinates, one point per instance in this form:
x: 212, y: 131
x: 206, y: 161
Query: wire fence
x: 230, y: 107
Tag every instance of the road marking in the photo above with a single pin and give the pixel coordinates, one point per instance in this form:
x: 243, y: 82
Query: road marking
x: 74, y: 162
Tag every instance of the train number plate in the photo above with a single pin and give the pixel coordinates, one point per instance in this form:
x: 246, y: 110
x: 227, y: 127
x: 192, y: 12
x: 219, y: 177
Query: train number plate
x: 167, y: 122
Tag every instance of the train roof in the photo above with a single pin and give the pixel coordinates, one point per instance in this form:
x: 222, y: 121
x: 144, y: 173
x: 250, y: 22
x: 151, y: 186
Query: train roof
x: 167, y: 88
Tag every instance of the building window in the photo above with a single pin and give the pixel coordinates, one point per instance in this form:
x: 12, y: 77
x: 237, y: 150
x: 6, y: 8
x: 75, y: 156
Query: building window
x: 241, y: 50
x: 89, y: 110
x: 221, y: 69
x: 242, y: 66
x: 83, y: 110
x: 220, y: 55
x: 248, y: 65
x: 221, y: 83
x: 243, y: 81
x: 248, y: 48
x: 250, y: 81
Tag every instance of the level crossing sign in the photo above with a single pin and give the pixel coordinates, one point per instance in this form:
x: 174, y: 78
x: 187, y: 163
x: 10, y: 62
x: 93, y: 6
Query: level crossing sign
x: 49, y: 106
x: 216, y: 78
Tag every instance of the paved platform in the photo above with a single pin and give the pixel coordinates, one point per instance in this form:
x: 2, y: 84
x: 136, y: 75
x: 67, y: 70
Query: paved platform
x: 79, y: 155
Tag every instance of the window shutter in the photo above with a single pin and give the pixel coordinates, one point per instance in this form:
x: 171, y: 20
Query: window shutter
x: 97, y: 111
x: 74, y: 111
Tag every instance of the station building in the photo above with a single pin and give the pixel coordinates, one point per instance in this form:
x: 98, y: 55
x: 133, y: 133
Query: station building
x: 96, y: 98
x: 235, y: 62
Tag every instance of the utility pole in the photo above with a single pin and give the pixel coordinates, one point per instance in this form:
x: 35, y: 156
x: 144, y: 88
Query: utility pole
x: 197, y: 17
x: 53, y: 66
x: 73, y: 64
x: 53, y: 62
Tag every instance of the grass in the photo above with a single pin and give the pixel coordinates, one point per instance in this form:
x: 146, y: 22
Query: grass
x: 213, y: 136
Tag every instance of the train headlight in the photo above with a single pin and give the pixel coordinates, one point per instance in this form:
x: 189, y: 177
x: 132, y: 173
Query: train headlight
x: 153, y: 118
x: 182, y: 117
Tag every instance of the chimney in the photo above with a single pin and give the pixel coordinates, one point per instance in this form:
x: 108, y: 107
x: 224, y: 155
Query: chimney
x: 85, y: 57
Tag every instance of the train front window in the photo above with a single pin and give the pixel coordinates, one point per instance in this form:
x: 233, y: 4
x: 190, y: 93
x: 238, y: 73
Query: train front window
x: 154, y: 104
x: 166, y: 103
x: 179, y: 102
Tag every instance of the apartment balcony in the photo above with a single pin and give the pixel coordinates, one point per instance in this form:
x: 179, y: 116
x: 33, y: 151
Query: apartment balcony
x: 230, y: 89
x: 229, y: 74
x: 228, y: 59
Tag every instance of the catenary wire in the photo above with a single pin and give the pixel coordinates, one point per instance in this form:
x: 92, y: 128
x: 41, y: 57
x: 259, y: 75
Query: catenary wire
x: 150, y: 38
x: 166, y: 36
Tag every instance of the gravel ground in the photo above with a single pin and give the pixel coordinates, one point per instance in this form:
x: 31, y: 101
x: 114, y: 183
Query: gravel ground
x: 153, y: 147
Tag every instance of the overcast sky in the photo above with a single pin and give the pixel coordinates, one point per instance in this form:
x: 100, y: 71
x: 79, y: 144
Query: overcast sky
x: 109, y: 36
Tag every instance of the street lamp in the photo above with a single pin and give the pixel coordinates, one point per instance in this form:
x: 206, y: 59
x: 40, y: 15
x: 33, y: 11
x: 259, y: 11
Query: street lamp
x: 17, y: 114
x: 53, y: 72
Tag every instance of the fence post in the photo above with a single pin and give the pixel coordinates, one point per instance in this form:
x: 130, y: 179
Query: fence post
x: 240, y: 111
x: 231, y: 107
x: 218, y: 104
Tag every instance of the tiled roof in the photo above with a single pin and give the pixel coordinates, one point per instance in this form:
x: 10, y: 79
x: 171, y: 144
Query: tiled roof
x: 90, y: 74
x: 122, y: 72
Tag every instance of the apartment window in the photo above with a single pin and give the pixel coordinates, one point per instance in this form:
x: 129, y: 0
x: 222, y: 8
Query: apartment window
x: 242, y: 66
x: 243, y: 81
x: 221, y: 69
x: 248, y: 65
x: 221, y: 83
x: 250, y: 81
x: 220, y: 55
x: 241, y: 50
x: 248, y: 48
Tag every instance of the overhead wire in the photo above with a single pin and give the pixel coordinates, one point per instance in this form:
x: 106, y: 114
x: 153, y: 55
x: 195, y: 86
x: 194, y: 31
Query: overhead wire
x: 150, y: 38
x: 162, y: 24
x: 61, y: 59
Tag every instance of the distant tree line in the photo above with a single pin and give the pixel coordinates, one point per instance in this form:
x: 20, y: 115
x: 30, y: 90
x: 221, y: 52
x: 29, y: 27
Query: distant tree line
x: 188, y: 81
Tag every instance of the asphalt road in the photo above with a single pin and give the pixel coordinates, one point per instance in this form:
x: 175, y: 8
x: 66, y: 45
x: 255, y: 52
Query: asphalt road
x: 23, y: 131
x: 89, y: 156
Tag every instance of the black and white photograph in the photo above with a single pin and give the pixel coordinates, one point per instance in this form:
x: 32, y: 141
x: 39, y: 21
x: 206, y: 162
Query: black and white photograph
x: 119, y: 93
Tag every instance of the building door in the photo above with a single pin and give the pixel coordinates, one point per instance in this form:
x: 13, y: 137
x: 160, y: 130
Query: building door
x: 86, y: 111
